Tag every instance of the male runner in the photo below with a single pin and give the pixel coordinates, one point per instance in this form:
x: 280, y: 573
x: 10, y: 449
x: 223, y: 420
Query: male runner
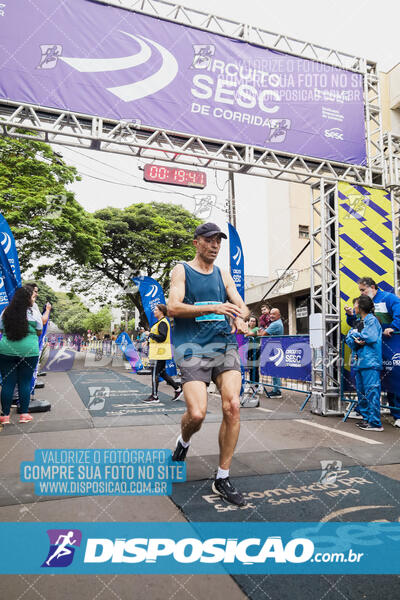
x: 207, y: 310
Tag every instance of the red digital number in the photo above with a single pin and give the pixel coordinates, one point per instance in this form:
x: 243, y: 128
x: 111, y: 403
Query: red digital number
x: 153, y: 172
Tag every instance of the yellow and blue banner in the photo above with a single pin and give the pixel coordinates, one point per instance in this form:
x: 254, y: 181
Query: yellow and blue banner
x: 365, y: 240
x: 365, y: 243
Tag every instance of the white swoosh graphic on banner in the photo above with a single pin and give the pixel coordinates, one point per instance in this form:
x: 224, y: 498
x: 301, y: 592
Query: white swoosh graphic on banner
x: 152, y: 84
x: 6, y: 243
x: 152, y: 292
x: 278, y: 357
x: 238, y: 255
x: 97, y: 65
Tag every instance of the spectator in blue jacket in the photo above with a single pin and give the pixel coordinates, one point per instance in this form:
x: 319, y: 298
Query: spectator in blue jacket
x: 365, y: 341
x: 387, y: 311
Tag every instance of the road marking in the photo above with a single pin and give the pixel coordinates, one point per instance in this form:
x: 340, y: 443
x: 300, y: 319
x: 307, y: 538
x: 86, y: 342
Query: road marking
x: 265, y: 409
x: 344, y: 433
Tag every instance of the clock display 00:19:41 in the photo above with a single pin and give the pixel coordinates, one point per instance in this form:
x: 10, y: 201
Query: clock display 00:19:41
x: 174, y: 176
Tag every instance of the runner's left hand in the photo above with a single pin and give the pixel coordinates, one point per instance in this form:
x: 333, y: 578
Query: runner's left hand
x: 239, y: 326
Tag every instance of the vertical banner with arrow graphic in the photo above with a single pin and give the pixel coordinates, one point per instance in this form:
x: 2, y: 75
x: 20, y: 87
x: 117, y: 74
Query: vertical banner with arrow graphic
x: 152, y: 294
x: 9, y: 264
x: 128, y: 348
x: 236, y: 259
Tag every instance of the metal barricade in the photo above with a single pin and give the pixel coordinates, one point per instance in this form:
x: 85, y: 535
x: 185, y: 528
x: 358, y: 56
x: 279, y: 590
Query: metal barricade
x: 265, y: 382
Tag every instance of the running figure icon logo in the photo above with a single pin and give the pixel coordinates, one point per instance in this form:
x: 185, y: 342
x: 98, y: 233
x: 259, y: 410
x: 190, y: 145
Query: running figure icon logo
x: 50, y: 55
x: 63, y: 543
x: 203, y: 54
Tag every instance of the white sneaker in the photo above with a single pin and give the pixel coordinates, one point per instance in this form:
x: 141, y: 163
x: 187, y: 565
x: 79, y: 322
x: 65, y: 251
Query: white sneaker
x: 396, y: 423
x: 355, y: 415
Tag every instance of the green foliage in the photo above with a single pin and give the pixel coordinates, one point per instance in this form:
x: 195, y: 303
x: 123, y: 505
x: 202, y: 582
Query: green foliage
x: 142, y: 238
x: 100, y: 321
x: 70, y: 314
x: 96, y: 253
x: 150, y: 238
x: 45, y: 294
x: 45, y: 218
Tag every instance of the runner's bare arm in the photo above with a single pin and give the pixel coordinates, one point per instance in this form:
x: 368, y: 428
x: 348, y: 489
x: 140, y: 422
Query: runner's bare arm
x: 177, y: 308
x: 233, y: 294
x: 236, y: 299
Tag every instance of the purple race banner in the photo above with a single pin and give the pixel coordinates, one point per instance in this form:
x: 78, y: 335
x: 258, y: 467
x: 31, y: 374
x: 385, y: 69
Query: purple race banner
x: 287, y: 356
x: 95, y: 59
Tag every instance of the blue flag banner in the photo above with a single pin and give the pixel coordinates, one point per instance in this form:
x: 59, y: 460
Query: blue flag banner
x: 152, y: 294
x: 287, y: 356
x: 9, y: 264
x: 129, y: 349
x: 236, y: 259
x: 250, y: 548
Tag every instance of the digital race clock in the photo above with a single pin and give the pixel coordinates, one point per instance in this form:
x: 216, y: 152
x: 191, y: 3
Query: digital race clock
x: 174, y: 176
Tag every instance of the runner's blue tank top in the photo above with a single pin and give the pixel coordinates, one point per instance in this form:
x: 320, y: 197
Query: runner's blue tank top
x: 206, y: 335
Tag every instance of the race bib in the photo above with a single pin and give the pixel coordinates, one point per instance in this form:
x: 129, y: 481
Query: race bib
x: 211, y: 316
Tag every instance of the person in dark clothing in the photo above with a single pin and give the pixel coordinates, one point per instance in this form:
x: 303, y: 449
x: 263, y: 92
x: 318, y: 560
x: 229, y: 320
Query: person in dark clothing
x: 159, y: 352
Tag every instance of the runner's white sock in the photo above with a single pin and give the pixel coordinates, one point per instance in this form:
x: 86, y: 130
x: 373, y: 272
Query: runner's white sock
x: 184, y: 444
x: 222, y: 473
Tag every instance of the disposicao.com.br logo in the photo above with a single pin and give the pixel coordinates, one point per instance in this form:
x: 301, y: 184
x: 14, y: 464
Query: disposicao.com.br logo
x: 203, y: 548
x: 191, y: 550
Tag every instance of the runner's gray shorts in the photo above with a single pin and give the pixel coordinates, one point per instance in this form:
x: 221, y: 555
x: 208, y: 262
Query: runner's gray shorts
x: 208, y: 368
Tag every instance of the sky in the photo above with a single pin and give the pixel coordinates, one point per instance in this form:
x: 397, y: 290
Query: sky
x: 359, y: 27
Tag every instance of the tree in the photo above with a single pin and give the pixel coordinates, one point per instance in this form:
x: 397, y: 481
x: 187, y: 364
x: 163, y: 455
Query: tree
x: 46, y: 220
x: 71, y: 313
x: 99, y: 321
x: 45, y: 294
x: 142, y: 238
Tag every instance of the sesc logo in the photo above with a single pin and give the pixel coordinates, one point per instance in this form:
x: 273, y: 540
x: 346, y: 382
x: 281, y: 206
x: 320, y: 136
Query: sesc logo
x: 237, y: 257
x: 335, y: 133
x: 278, y: 357
x: 396, y: 359
x: 150, y: 53
x: 191, y: 550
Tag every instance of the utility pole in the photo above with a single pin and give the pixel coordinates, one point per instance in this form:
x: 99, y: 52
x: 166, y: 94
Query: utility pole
x: 231, y: 199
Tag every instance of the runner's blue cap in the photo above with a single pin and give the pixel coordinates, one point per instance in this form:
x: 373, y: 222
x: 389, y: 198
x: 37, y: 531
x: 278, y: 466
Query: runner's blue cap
x: 208, y: 229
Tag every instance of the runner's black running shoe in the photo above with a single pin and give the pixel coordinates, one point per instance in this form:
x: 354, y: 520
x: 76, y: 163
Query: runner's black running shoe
x: 151, y: 400
x: 178, y: 394
x: 227, y: 491
x: 179, y: 452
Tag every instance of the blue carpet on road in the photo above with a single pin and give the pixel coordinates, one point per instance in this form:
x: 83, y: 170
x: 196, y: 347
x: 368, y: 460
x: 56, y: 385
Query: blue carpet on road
x: 347, y: 494
x: 106, y: 393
